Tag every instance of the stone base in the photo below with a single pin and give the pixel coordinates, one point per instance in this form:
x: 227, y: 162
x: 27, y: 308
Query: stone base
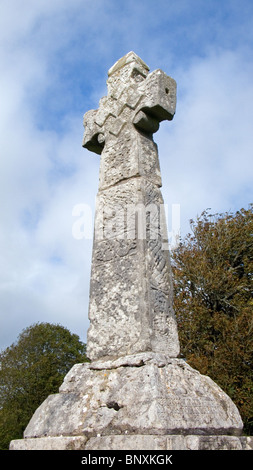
x: 142, y: 401
x: 50, y: 443
x: 134, y: 442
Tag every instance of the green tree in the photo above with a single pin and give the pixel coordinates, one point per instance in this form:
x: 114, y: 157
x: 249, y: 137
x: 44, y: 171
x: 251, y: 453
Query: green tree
x: 30, y: 370
x: 213, y: 297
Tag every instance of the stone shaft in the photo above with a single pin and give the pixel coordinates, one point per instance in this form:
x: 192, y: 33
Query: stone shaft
x: 130, y: 292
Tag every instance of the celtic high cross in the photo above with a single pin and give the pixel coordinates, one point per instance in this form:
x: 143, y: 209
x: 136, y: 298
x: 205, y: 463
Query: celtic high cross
x: 135, y: 393
x: 130, y: 307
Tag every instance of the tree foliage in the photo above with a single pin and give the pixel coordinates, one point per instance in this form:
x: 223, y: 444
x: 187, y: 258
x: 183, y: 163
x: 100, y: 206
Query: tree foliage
x: 30, y: 370
x: 213, y: 296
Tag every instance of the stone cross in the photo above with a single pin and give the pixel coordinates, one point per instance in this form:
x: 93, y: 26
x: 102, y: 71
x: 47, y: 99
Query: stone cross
x: 130, y: 307
x: 136, y: 393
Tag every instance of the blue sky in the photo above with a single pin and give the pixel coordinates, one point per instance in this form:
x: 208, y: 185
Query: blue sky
x: 54, y: 58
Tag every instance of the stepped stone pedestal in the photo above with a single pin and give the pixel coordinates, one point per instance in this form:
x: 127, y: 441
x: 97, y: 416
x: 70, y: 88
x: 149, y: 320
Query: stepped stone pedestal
x: 136, y: 393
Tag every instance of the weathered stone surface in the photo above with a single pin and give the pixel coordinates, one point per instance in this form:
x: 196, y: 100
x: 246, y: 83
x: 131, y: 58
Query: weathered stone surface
x: 50, y: 443
x: 135, y: 360
x: 173, y: 442
x: 247, y: 442
x: 136, y: 442
x: 125, y: 442
x: 203, y: 443
x: 130, y: 291
x: 129, y: 157
x: 174, y: 398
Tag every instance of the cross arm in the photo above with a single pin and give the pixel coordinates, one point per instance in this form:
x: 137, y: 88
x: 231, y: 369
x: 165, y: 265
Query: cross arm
x: 93, y: 139
x: 158, y: 103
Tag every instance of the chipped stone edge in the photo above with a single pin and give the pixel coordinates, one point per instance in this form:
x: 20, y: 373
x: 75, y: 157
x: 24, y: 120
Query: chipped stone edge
x: 135, y: 360
x: 135, y: 442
